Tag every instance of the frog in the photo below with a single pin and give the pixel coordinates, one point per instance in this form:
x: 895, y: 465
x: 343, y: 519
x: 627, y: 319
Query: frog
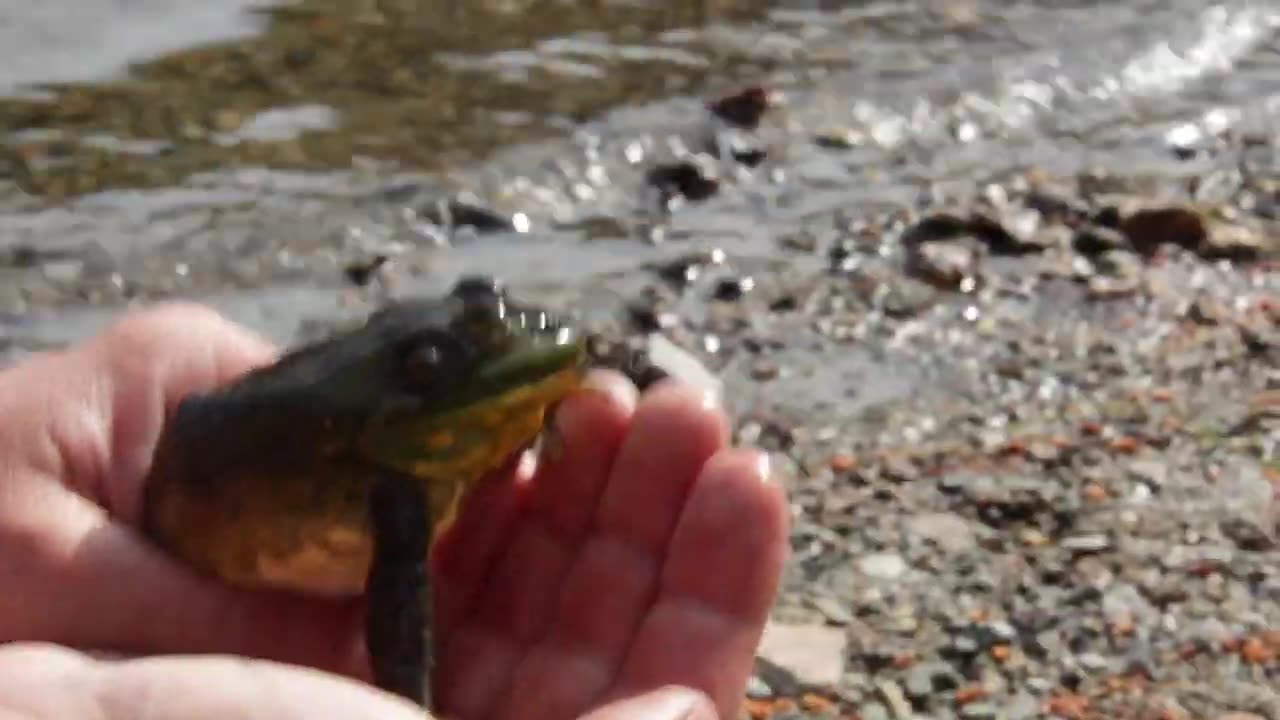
x: 336, y: 468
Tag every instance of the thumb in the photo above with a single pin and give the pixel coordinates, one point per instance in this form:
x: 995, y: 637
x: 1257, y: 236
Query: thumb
x: 70, y: 487
x: 673, y: 702
x: 43, y: 681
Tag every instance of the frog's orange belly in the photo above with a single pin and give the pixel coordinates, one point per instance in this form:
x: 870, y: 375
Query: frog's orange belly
x: 335, y: 562
x: 307, y: 557
x: 305, y: 532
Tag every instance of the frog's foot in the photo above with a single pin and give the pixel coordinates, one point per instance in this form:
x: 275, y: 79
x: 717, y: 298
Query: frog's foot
x: 398, y: 611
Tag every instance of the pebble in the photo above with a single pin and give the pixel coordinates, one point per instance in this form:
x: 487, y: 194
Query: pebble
x: 835, y: 610
x: 1023, y: 706
x: 873, y: 711
x: 63, y: 271
x: 1249, y: 518
x: 1091, y: 543
x: 1151, y: 472
x: 1003, y: 631
x: 882, y: 566
x: 758, y: 689
x: 964, y: 646
x: 682, y: 364
x: 979, y: 711
x: 893, y: 696
x: 950, y: 532
x: 813, y: 654
x: 925, y: 679
x: 1092, y: 662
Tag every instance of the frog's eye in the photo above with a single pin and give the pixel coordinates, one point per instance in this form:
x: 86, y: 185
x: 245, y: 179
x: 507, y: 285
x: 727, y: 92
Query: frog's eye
x: 433, y: 361
x: 424, y: 361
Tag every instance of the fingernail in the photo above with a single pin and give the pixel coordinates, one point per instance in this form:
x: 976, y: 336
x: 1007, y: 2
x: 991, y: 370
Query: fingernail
x: 764, y: 466
x: 613, y: 384
x: 526, y: 465
x: 679, y: 703
x: 711, y: 399
x: 669, y: 703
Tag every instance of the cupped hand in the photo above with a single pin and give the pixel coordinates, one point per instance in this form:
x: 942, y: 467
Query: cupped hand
x: 627, y: 575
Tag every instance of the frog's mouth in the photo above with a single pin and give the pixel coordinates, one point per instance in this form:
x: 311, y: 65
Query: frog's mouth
x: 507, y: 403
x: 540, y: 367
x: 537, y: 357
x: 498, y: 406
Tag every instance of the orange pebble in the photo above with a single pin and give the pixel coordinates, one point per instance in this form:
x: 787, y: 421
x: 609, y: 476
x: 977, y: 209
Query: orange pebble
x: 843, y: 462
x: 1255, y: 652
x: 1125, y: 444
x: 1067, y: 705
x: 815, y: 703
x: 904, y: 660
x: 1094, y: 492
x: 970, y: 693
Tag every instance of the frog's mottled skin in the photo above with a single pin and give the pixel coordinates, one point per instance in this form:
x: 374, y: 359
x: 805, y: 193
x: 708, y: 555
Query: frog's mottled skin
x: 331, y: 470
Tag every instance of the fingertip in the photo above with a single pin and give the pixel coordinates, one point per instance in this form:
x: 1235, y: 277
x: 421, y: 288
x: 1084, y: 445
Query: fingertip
x: 604, y: 404
x: 670, y: 438
x: 704, y: 399
x: 159, y: 319
x: 204, y: 346
x: 742, y: 464
x: 749, y: 471
x: 685, y: 405
x: 736, y: 521
x: 615, y: 386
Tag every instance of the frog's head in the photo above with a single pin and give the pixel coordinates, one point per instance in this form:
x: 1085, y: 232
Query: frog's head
x: 472, y: 349
x: 466, y: 379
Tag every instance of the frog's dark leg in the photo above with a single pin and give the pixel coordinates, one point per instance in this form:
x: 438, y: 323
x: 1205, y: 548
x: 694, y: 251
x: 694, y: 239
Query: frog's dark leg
x: 398, y: 614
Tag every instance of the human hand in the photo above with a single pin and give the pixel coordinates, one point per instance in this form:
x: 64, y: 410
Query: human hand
x: 618, y: 552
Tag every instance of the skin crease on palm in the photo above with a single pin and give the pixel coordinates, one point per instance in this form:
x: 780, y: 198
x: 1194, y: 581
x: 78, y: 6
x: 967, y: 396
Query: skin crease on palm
x: 628, y: 577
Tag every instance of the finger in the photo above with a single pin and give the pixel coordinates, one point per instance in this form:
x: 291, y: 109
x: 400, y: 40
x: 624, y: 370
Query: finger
x: 717, y: 585
x: 464, y: 554
x: 676, y: 429
x: 612, y: 580
x: 512, y: 605
x: 728, y: 550
x: 48, y: 681
x: 545, y: 542
x: 590, y: 425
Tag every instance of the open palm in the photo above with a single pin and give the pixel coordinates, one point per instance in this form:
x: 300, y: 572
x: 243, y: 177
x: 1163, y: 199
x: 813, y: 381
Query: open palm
x: 644, y: 554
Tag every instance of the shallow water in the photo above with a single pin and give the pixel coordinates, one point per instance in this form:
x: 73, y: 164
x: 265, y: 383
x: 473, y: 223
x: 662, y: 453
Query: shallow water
x: 249, y: 168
